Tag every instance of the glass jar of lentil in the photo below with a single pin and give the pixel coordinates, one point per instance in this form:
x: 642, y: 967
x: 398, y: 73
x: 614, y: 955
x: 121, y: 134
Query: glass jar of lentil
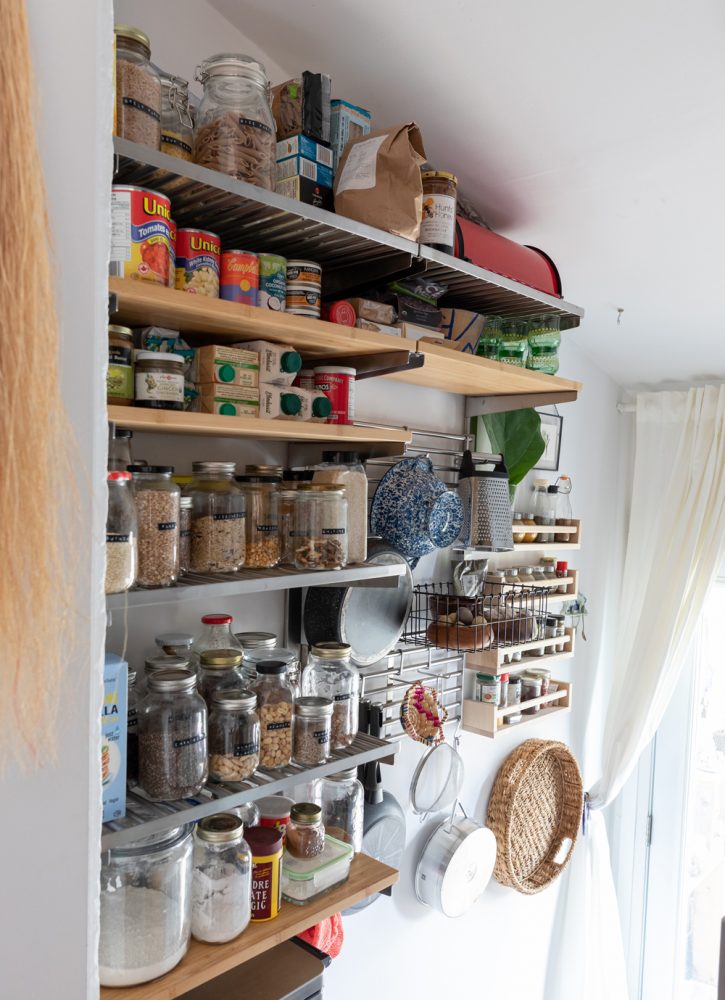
x: 219, y: 670
x: 320, y: 540
x: 172, y: 740
x: 311, y: 730
x: 262, y: 522
x: 440, y: 198
x: 305, y: 836
x: 275, y: 698
x: 233, y: 735
x: 330, y: 674
x: 156, y: 497
x: 177, y: 127
x: 218, y: 514
x: 138, y: 88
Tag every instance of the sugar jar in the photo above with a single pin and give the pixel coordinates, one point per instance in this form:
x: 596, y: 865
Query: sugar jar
x: 330, y: 674
x: 221, y: 883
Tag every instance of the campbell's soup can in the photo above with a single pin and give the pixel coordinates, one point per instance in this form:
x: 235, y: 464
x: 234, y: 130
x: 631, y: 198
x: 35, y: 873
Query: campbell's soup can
x: 198, y: 260
x: 172, y: 253
x: 239, y: 280
x: 272, y: 282
x: 338, y: 384
x: 140, y: 234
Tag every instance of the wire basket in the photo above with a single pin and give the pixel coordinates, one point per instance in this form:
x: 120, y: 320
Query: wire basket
x: 506, y: 615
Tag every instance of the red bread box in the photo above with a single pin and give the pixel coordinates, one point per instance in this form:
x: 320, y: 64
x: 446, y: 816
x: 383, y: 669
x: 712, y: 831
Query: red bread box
x: 511, y: 260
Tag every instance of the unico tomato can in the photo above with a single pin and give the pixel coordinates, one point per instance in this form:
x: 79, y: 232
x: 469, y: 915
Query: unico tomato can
x: 338, y: 384
x: 198, y: 257
x: 240, y: 277
x: 140, y: 234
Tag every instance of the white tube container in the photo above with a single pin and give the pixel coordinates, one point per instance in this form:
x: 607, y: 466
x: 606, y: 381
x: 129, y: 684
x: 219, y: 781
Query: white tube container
x: 277, y: 402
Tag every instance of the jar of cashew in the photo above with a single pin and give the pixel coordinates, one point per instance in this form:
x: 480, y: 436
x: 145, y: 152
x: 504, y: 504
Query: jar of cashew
x: 275, y: 697
x: 233, y: 737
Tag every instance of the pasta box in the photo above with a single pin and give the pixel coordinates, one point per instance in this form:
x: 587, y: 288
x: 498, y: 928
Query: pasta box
x: 113, y: 737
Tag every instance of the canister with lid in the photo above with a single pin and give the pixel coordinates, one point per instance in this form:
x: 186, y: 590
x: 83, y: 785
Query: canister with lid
x: 262, y: 522
x: 338, y: 384
x: 177, y: 127
x: 264, y: 652
x: 488, y: 688
x: 157, y: 509
x: 275, y: 699
x: 138, y: 88
x: 330, y: 674
x: 320, y: 533
x: 121, y: 534
x: 530, y: 688
x: 222, y: 879
x: 311, y: 725
x: 305, y: 831
x: 175, y: 643
x: 218, y: 519
x: 219, y: 670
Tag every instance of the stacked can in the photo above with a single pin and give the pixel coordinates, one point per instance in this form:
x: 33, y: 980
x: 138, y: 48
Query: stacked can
x: 272, y: 282
x: 304, y: 283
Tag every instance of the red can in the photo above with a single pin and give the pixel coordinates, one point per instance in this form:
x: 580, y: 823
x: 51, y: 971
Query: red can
x: 338, y: 384
x: 239, y: 281
x: 198, y: 255
x: 339, y: 312
x: 140, y: 243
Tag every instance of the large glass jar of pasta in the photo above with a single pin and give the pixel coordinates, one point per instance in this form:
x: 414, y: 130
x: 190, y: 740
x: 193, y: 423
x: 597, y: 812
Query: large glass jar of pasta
x: 177, y: 128
x: 330, y: 674
x: 157, y: 509
x: 262, y: 524
x: 138, y: 88
x: 274, y: 697
x: 217, y: 519
x: 320, y: 539
x: 235, y: 130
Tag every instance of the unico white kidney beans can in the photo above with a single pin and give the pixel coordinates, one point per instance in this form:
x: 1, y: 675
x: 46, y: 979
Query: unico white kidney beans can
x: 338, y: 384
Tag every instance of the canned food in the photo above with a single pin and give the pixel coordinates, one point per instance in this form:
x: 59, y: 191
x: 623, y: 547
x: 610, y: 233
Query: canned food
x: 338, y: 384
x: 239, y: 277
x: 340, y: 312
x: 140, y: 234
x: 305, y: 271
x: 272, y: 282
x: 172, y: 253
x: 306, y: 301
x: 197, y: 262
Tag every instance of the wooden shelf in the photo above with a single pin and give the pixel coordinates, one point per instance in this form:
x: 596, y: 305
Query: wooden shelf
x: 575, y: 529
x: 487, y: 720
x: 213, y: 425
x: 491, y: 660
x: 207, y: 961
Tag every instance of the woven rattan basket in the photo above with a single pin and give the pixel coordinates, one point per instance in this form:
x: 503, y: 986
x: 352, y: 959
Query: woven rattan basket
x: 535, y: 812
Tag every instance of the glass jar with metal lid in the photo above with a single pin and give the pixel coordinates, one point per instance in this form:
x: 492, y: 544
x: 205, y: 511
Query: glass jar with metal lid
x: 121, y: 534
x: 218, y: 515
x: 219, y: 670
x: 511, y: 576
x: 342, y: 798
x: 276, y: 471
x: 311, y: 730
x: 330, y: 674
x: 519, y: 535
x: 250, y: 642
x: 138, y: 88
x: 156, y: 497
x: 275, y: 698
x: 132, y: 730
x: 177, y: 127
x: 233, y: 735
x: 305, y: 834
x: 159, y: 381
x: 172, y: 744
x: 160, y: 662
x: 145, y: 907
x: 440, y: 198
x: 262, y: 528
x: 526, y: 575
x: 119, y: 377
x: 290, y: 659
x: 222, y: 879
x: 235, y: 131
x: 320, y: 540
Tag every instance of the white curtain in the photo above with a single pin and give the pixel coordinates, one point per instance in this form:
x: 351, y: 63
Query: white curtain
x: 675, y: 543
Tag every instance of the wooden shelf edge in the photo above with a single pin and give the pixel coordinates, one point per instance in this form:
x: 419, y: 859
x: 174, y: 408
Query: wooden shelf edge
x: 486, y: 720
x: 544, y: 713
x: 203, y: 962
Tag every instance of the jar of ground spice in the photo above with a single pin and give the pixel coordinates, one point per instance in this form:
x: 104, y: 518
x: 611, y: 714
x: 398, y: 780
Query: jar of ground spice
x: 233, y: 735
x: 157, y: 509
x: 305, y: 833
x: 218, y: 512
x: 138, y: 88
x: 311, y: 730
x: 172, y: 736
x: 177, y: 128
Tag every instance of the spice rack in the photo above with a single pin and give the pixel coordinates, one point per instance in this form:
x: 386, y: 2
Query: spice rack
x: 485, y: 719
x: 204, y: 962
x: 491, y: 660
x: 575, y: 529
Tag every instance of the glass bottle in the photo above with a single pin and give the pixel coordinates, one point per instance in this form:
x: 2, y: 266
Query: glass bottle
x: 217, y: 519
x: 157, y: 509
x: 177, y: 128
x: 138, y: 88
x: 235, y: 131
x: 275, y: 698
x: 290, y: 659
x: 233, y: 735
x: 172, y: 744
x: 216, y: 633
x: 132, y: 730
x: 222, y: 879
x: 330, y: 674
x: 219, y: 670
x: 121, y: 534
x: 311, y: 730
x: 185, y: 504
x: 305, y: 835
x: 145, y: 907
x: 119, y: 448
x: 563, y: 506
x: 320, y: 527
x: 342, y: 799
x: 542, y: 509
x: 262, y: 530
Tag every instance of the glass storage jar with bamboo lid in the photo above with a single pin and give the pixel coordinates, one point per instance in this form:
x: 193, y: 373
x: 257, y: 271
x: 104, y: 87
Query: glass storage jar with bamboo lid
x: 320, y: 526
x: 218, y: 514
x: 138, y: 88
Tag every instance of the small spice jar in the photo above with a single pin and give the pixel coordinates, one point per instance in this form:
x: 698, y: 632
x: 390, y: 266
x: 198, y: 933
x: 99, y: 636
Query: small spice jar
x: 530, y: 536
x: 159, y: 381
x: 550, y: 577
x: 562, y: 571
x: 233, y: 735
x: 320, y: 527
x: 330, y: 674
x: 138, y: 88
x: 544, y: 676
x: 488, y: 688
x: 519, y: 535
x: 265, y: 844
x: 119, y: 377
x: 177, y: 127
x: 503, y: 697
x: 184, y: 534
x: 305, y: 833
x: 219, y: 670
x: 493, y: 583
x: 132, y: 730
x: 157, y: 508
x: 262, y: 522
x: 526, y: 575
x: 218, y: 509
x: 311, y: 730
x: 172, y: 744
x: 440, y: 197
x: 121, y: 534
x: 275, y: 713
x: 511, y: 576
x: 530, y: 688
x: 221, y: 882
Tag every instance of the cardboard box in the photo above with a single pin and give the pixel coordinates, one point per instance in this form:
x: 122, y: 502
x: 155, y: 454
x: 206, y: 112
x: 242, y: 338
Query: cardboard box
x: 302, y: 145
x: 347, y: 121
x: 463, y: 328
x: 303, y: 105
x: 227, y: 366
x: 298, y: 165
x: 228, y: 400
x: 303, y: 189
x: 113, y: 737
x: 414, y: 332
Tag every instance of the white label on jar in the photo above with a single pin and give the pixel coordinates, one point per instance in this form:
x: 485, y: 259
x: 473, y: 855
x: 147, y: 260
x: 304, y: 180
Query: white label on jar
x: 120, y: 225
x: 167, y: 387
x: 360, y: 167
x: 439, y: 219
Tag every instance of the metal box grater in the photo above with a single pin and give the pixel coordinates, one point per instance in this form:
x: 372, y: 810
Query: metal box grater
x: 486, y: 507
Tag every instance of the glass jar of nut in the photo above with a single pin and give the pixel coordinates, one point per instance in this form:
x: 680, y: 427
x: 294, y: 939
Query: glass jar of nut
x: 262, y: 533
x: 274, y: 697
x: 233, y: 735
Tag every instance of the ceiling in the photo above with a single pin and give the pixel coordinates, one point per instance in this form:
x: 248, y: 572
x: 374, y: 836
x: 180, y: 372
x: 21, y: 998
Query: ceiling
x: 594, y: 132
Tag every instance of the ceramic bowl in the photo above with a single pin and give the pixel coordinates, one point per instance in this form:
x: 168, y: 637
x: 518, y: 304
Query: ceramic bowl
x: 414, y: 510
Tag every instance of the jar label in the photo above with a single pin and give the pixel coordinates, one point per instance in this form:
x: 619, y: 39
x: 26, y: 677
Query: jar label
x: 333, y: 531
x: 185, y: 534
x: 266, y: 895
x: 118, y: 538
x: 439, y: 219
x: 254, y: 124
x: 234, y: 516
x: 277, y: 725
x: 166, y: 525
x: 171, y: 140
x: 341, y: 697
x: 119, y: 377
x: 164, y: 386
x: 322, y: 736
x: 189, y: 741
x: 246, y: 749
x: 266, y: 528
x: 131, y: 102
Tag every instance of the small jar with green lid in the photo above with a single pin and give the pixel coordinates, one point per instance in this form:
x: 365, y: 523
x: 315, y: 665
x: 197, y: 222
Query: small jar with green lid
x: 119, y: 378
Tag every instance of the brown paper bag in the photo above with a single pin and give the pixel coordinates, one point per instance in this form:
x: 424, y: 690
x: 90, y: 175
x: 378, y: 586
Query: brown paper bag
x: 378, y: 180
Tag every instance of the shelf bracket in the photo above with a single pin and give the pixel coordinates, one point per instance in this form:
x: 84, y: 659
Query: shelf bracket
x: 385, y: 363
x: 476, y: 406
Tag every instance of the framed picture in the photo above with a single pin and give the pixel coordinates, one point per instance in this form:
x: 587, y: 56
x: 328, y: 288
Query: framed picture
x: 551, y: 424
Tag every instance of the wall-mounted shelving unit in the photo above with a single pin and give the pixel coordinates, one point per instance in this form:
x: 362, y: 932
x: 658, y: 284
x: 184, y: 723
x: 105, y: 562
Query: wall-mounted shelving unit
x: 491, y: 661
x: 487, y: 720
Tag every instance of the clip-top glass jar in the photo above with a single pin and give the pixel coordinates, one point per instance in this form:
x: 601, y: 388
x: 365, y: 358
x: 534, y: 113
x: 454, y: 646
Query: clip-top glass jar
x: 219, y: 670
x: 172, y: 743
x: 235, y: 130
x: 440, y: 198
x: 342, y: 798
x: 330, y: 674
x: 275, y: 713
x: 157, y: 510
x: 145, y: 907
x: 217, y: 519
x: 222, y: 880
x: 138, y: 88
x: 233, y: 735
x: 121, y: 534
x: 262, y: 551
x: 177, y: 128
x: 311, y: 730
x: 320, y: 527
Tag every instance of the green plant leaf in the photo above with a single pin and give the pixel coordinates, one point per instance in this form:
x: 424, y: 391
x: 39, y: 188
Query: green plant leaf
x: 517, y: 436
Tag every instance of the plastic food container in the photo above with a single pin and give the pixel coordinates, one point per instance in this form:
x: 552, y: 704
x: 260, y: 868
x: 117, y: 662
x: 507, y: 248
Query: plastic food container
x: 305, y: 880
